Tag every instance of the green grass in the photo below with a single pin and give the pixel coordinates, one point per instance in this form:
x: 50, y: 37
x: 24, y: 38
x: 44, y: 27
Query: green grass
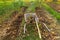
x: 51, y: 11
x: 7, y: 9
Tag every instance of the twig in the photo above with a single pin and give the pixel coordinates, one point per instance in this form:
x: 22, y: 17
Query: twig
x: 46, y: 27
x: 24, y: 28
x: 36, y: 19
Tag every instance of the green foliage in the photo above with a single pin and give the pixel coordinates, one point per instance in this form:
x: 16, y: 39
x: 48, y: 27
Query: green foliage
x: 13, y: 6
x: 7, y: 9
x: 32, y: 7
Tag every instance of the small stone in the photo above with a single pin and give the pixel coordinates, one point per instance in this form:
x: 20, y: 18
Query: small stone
x: 27, y: 34
x: 53, y: 32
